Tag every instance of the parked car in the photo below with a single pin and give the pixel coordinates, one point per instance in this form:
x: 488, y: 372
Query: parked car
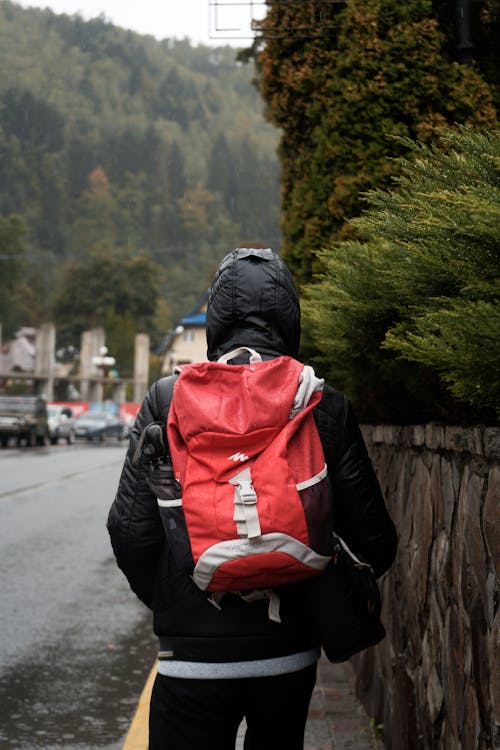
x: 61, y: 423
x: 99, y: 425
x: 23, y: 418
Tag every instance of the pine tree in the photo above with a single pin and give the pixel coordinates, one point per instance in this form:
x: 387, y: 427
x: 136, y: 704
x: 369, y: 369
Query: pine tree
x: 12, y: 232
x: 337, y: 83
x: 411, y: 314
x: 106, y: 281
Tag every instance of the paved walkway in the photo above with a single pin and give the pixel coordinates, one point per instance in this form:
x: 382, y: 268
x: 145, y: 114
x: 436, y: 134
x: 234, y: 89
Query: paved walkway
x: 336, y: 720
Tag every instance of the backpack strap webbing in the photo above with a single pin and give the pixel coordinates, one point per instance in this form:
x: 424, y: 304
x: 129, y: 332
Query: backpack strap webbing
x: 152, y: 443
x: 165, y: 395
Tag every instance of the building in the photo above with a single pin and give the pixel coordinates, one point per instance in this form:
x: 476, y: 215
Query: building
x: 18, y: 355
x: 187, y: 342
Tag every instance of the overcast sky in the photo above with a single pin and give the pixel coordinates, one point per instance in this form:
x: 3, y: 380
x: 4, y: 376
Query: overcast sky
x: 203, y: 21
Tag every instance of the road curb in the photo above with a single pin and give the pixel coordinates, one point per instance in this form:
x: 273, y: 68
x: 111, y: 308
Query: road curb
x: 137, y: 735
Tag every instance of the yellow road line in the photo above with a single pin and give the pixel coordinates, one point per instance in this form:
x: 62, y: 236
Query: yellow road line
x: 137, y: 735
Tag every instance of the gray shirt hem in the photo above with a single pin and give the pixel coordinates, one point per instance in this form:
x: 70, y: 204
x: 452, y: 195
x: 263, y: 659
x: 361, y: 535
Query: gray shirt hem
x: 237, y: 669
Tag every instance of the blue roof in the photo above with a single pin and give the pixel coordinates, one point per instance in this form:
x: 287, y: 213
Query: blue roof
x: 198, y: 319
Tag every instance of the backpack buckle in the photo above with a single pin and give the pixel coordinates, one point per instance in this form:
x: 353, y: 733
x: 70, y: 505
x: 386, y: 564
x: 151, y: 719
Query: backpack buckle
x: 246, y: 492
x: 246, y: 514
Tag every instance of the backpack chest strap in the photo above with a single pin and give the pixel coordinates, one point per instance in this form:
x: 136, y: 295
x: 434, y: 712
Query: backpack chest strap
x: 246, y: 515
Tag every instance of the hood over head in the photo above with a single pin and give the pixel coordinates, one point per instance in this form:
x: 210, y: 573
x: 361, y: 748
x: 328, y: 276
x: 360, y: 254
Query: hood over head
x: 253, y: 302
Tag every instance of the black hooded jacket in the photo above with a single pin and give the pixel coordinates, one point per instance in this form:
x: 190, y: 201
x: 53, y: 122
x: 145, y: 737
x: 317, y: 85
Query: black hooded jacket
x: 253, y: 302
x: 253, y: 299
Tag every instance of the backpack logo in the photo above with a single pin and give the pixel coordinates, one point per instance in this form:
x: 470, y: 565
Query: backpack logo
x: 238, y: 457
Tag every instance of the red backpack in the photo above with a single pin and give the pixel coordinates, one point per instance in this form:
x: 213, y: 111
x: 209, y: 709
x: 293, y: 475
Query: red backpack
x: 255, y: 502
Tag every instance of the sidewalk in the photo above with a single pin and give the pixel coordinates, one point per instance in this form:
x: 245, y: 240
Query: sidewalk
x: 336, y: 720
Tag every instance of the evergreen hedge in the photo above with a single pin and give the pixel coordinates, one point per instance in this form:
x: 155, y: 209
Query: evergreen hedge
x: 407, y: 319
x: 337, y: 78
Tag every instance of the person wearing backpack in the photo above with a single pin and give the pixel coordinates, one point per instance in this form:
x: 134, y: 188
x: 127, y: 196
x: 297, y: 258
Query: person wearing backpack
x: 225, y: 656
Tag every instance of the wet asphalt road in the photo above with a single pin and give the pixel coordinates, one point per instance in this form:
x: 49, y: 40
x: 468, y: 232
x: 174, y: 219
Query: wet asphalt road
x: 75, y: 645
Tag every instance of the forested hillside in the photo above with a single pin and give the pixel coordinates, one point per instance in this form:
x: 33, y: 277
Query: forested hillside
x: 115, y: 145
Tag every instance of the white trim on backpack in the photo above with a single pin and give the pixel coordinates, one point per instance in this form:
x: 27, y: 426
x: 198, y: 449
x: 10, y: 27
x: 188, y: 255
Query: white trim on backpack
x: 232, y: 549
x: 176, y: 503
x: 308, y: 384
x: 254, y: 356
x: 313, y: 480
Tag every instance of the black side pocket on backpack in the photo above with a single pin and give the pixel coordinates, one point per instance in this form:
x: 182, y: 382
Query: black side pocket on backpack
x: 169, y: 496
x: 317, y: 503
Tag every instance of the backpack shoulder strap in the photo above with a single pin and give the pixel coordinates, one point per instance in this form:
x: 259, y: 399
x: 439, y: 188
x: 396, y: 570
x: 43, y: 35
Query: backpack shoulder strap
x: 152, y: 440
x: 165, y: 394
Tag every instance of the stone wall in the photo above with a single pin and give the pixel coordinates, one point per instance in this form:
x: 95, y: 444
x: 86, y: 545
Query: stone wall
x: 434, y: 682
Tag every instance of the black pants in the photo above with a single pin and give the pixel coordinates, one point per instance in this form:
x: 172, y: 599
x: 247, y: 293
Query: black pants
x: 205, y: 714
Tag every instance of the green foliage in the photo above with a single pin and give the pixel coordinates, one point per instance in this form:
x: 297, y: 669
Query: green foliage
x: 12, y: 233
x: 112, y: 138
x: 375, y: 729
x: 379, y: 68
x: 120, y: 339
x: 459, y: 339
x: 410, y: 314
x: 107, y: 284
